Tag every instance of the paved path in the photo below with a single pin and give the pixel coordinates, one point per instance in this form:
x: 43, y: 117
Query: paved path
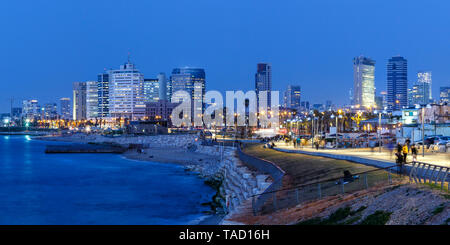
x: 365, y: 155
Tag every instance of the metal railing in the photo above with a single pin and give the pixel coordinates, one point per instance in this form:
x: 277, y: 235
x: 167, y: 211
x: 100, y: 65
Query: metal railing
x: 274, y: 200
x: 421, y: 172
x: 265, y: 167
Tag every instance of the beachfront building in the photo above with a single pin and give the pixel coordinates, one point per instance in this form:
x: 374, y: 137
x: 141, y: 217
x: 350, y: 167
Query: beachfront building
x: 364, y: 82
x: 126, y: 93
x: 151, y: 90
x: 64, y: 108
x: 30, y: 109
x: 160, y: 110
x: 79, y: 101
x: 191, y: 80
x: 103, y: 94
x: 91, y: 99
x: 49, y: 111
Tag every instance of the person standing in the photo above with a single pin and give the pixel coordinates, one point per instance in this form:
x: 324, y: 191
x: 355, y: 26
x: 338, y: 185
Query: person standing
x: 405, y: 152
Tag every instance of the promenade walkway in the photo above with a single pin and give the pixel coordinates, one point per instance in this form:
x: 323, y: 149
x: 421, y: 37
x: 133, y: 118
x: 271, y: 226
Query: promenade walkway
x: 365, y: 155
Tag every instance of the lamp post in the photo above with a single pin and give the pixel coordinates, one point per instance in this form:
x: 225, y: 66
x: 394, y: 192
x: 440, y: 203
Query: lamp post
x: 423, y: 126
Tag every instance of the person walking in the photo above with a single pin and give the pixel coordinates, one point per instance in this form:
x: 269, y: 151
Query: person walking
x: 405, y: 152
x: 414, y: 152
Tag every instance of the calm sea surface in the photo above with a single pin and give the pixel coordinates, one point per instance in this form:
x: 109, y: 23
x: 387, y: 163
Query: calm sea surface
x: 39, y: 188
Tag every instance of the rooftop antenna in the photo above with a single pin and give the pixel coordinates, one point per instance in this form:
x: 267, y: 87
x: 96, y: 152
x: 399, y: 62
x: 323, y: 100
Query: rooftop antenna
x: 129, y: 54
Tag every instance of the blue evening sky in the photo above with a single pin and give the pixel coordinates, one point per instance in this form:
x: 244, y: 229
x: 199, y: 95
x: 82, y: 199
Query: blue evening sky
x: 47, y: 45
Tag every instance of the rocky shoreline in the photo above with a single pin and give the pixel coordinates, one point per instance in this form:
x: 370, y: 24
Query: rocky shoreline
x: 221, y: 168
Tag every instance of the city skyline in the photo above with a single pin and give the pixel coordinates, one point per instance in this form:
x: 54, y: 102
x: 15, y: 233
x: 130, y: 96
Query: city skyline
x: 296, y: 51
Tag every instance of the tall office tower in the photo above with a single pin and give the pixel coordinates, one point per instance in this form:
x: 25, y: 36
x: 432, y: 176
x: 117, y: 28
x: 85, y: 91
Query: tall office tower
x: 304, y: 105
x: 350, y: 96
x: 91, y: 99
x: 65, y: 110
x: 397, y: 83
x: 263, y: 82
x: 50, y: 111
x: 163, y: 86
x: 191, y: 80
x: 383, y: 94
x: 126, y: 93
x: 418, y: 94
x: 424, y: 80
x: 292, y: 97
x: 379, y: 102
x: 30, y: 109
x: 151, y: 90
x: 328, y: 105
x: 103, y: 94
x: 364, y: 82
x: 79, y: 101
x: 16, y: 113
x: 444, y: 94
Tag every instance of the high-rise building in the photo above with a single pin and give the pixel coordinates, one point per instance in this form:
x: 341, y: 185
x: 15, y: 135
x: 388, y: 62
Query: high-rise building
x: 383, y: 95
x: 50, y: 111
x: 444, y: 94
x: 424, y: 80
x: 30, y: 109
x: 263, y: 82
x: 397, y: 83
x: 164, y: 93
x: 364, y: 82
x: 379, y: 102
x: 151, y: 90
x: 91, y: 99
x: 304, y: 106
x: 103, y: 94
x: 65, y: 110
x: 418, y: 94
x: 16, y: 113
x: 126, y: 93
x: 292, y: 97
x: 79, y: 101
x: 191, y: 80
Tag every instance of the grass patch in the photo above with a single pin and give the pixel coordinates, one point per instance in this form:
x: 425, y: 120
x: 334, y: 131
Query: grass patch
x: 333, y: 219
x: 352, y: 220
x: 438, y: 210
x: 377, y: 218
x: 360, y: 209
x: 446, y: 196
x: 313, y: 221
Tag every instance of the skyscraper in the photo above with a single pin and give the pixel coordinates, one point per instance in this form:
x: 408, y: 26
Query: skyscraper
x: 126, y: 93
x: 92, y: 99
x: 103, y: 94
x: 444, y: 94
x: 50, y: 111
x: 30, y: 109
x: 424, y: 80
x: 364, y: 82
x: 292, y: 97
x: 397, y: 83
x: 191, y: 80
x: 151, y: 90
x: 64, y: 106
x: 263, y: 82
x: 79, y: 101
x: 163, y: 87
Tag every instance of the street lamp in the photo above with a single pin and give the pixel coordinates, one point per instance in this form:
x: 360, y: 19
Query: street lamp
x: 423, y: 125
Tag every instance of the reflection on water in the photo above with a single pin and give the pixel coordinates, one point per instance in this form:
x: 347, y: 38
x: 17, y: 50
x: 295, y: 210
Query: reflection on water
x: 39, y: 188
